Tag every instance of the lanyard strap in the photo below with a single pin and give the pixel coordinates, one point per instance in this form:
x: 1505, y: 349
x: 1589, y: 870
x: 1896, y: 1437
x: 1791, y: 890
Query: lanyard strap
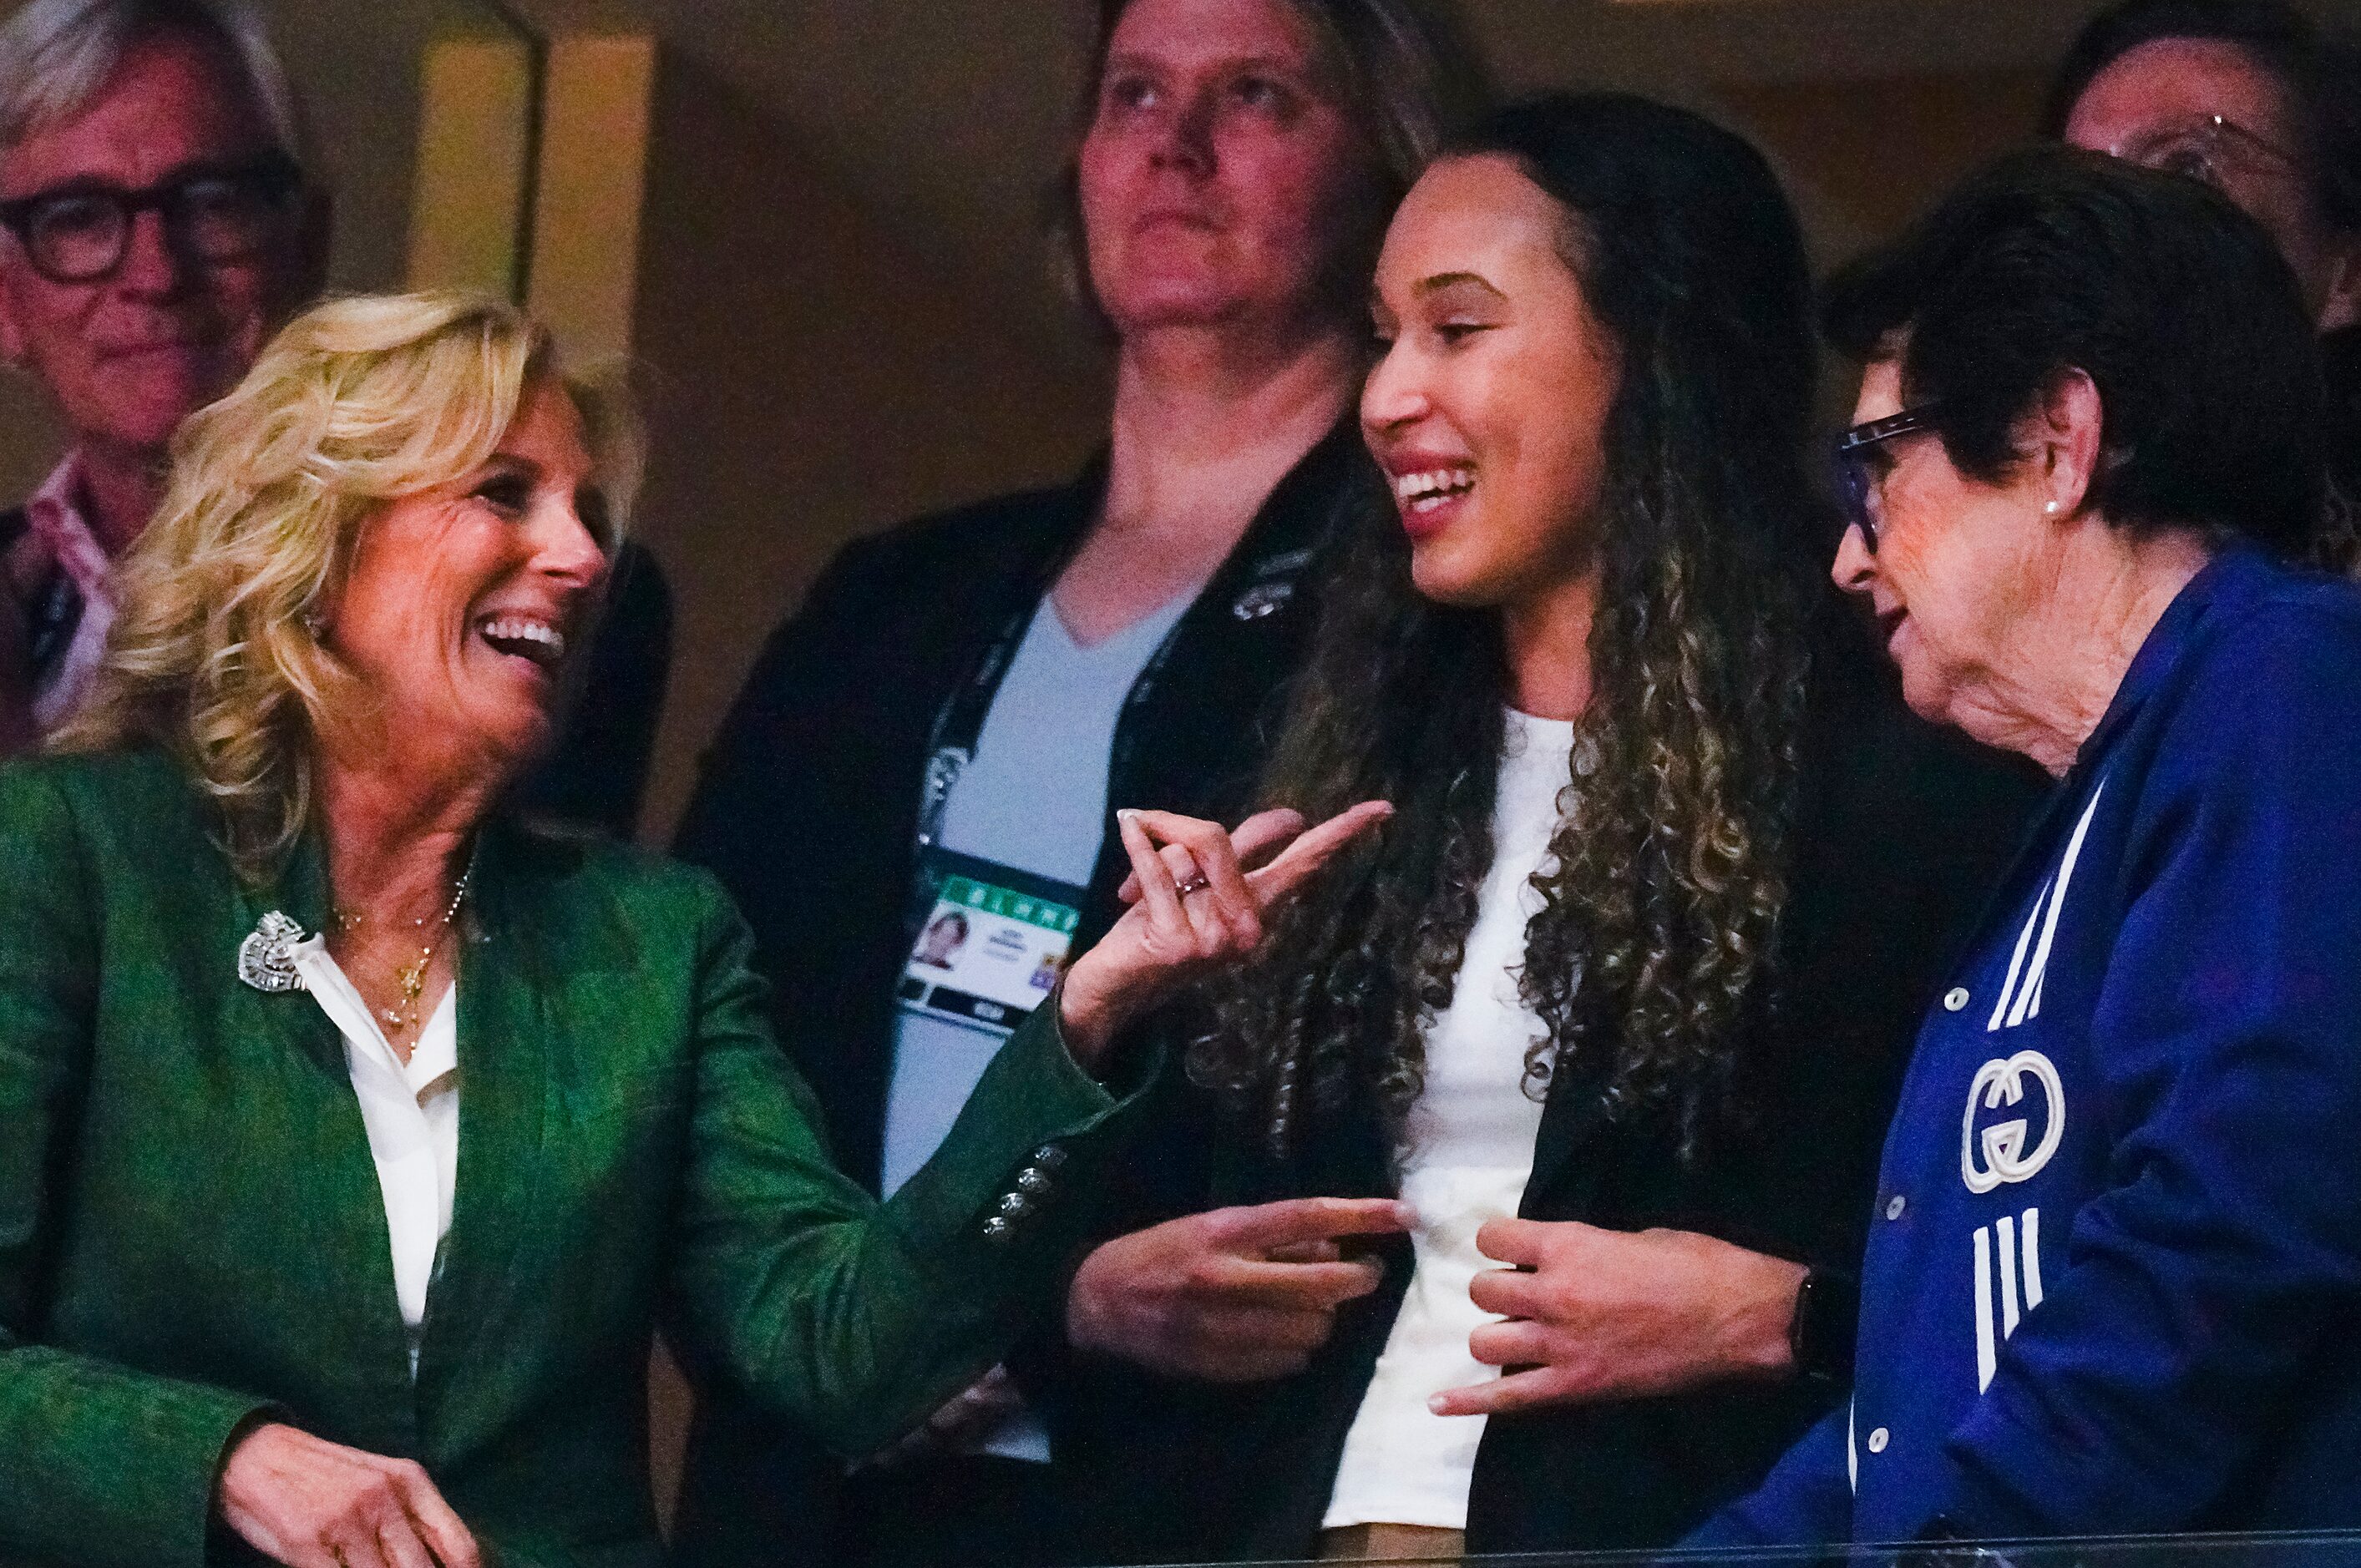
x: 1261, y: 578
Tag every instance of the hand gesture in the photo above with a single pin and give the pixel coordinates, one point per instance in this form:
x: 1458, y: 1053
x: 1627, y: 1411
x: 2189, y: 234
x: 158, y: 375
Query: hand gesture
x: 1195, y: 905
x: 311, y: 1503
x: 1233, y: 1295
x: 1598, y: 1314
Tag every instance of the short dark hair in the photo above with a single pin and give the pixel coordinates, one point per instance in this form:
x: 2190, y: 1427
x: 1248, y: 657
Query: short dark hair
x: 2320, y: 76
x: 2172, y: 300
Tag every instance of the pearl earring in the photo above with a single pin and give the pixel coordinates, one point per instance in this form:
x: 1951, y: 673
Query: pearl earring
x: 2052, y: 509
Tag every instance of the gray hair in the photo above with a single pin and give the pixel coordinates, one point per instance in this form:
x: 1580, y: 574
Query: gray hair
x: 56, y: 55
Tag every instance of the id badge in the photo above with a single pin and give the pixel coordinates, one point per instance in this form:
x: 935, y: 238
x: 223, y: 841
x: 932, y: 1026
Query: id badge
x: 991, y: 945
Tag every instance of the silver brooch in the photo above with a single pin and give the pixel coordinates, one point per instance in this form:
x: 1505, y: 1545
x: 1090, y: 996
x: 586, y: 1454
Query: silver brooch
x: 262, y: 959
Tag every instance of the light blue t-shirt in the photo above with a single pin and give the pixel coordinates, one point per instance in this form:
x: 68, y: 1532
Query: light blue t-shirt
x: 1033, y: 798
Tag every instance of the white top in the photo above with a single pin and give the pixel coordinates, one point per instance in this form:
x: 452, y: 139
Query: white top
x: 411, y: 1112
x: 1468, y: 1152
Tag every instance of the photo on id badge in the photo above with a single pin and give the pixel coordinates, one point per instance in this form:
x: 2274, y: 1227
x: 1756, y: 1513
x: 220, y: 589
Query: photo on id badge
x: 993, y: 944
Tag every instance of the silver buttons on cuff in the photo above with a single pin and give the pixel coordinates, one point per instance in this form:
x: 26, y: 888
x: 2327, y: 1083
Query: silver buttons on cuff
x: 1893, y: 1207
x: 1033, y: 1184
x: 1877, y: 1440
x: 1954, y: 999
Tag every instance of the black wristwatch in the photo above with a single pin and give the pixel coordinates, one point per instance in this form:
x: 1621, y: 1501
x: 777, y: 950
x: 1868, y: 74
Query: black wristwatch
x: 1826, y: 1322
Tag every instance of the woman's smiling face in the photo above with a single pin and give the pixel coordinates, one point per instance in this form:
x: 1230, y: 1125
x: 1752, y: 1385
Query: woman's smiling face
x: 1489, y: 406
x: 464, y: 602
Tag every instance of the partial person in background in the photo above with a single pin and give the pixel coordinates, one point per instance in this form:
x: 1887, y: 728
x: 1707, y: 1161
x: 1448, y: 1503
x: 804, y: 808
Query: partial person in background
x: 949, y: 721
x: 2113, y: 1277
x: 2249, y: 97
x: 1621, y: 998
x: 164, y: 210
x: 162, y: 220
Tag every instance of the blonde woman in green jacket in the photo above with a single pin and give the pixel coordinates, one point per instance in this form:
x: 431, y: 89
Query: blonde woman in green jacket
x: 354, y: 1138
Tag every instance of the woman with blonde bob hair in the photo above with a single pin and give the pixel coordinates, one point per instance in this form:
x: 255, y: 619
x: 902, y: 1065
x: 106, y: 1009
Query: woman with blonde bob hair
x: 353, y: 1134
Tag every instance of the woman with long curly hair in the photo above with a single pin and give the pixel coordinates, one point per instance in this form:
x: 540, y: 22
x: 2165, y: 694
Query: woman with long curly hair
x: 1620, y: 996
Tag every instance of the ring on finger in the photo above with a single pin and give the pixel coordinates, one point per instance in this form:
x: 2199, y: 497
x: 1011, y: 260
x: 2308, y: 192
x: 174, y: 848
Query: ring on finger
x: 1198, y: 881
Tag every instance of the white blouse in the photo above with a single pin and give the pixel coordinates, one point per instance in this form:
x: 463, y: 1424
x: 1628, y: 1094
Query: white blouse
x: 1468, y: 1153
x: 411, y: 1112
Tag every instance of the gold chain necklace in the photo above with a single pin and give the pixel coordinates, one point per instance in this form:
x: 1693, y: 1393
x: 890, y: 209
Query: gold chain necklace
x: 410, y: 978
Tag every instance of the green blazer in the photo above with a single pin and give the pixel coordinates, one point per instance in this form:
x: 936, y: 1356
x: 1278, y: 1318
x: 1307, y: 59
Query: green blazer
x: 191, y: 1235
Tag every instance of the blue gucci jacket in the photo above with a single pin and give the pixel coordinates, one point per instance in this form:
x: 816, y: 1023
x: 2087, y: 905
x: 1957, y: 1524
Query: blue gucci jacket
x: 2113, y: 1277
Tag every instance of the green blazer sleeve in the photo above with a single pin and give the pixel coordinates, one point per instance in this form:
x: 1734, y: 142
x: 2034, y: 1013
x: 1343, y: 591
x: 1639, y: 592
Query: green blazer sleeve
x: 858, y: 1319
x: 89, y: 1451
x: 193, y: 1232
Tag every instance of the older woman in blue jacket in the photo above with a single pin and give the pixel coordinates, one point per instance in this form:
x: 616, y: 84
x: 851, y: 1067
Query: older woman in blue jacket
x: 2115, y: 1259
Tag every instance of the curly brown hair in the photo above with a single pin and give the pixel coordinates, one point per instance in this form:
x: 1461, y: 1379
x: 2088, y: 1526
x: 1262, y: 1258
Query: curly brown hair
x: 1667, y: 874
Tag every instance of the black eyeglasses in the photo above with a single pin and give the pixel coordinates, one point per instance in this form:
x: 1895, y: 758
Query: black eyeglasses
x: 77, y: 232
x: 1856, y: 480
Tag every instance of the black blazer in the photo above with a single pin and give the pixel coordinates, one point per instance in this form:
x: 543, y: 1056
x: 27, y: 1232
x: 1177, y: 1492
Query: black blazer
x: 1901, y: 831
x: 808, y: 811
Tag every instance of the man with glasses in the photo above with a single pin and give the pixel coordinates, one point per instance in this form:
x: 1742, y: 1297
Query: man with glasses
x: 159, y: 226
x: 2247, y: 96
x: 161, y: 214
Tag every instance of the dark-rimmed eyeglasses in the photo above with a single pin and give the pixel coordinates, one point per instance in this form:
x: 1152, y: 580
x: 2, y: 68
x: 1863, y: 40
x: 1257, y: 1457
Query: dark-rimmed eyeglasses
x: 1859, y: 475
x: 79, y: 232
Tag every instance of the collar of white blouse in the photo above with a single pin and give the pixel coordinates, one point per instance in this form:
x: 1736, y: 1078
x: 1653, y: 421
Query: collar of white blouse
x: 411, y: 1112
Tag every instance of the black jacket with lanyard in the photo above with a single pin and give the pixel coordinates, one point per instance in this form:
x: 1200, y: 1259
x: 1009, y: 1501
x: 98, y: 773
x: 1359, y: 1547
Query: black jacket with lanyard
x: 824, y: 789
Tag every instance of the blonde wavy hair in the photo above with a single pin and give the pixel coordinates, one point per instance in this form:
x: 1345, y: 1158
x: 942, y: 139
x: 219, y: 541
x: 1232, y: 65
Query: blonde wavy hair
x: 213, y: 656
